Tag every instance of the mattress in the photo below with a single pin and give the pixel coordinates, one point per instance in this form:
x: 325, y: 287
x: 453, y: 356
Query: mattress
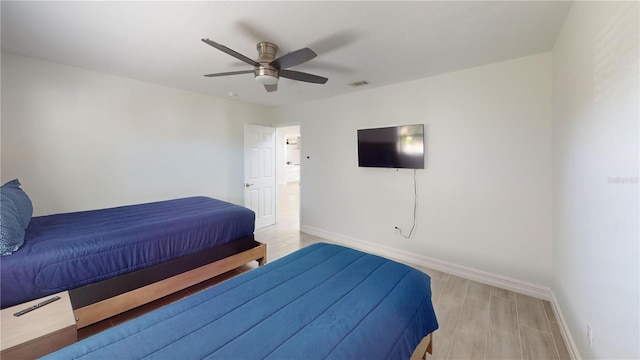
x: 66, y: 251
x: 323, y: 301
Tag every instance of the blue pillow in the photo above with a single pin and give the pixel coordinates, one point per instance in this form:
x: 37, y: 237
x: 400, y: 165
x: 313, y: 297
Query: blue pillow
x: 20, y: 199
x: 15, y: 214
x: 11, y: 229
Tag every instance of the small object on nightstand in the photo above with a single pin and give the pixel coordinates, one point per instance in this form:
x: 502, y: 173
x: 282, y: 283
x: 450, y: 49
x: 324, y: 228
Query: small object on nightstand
x: 36, y: 306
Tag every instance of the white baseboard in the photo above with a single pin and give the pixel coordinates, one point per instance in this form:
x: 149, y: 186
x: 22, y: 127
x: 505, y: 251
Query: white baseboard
x: 503, y: 282
x: 522, y: 287
x: 564, y: 329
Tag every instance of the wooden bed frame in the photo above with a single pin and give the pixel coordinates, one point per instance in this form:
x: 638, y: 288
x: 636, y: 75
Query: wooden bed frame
x: 425, y: 346
x: 98, y: 301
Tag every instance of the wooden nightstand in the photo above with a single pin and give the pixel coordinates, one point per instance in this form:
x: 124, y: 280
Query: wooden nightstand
x: 38, y: 332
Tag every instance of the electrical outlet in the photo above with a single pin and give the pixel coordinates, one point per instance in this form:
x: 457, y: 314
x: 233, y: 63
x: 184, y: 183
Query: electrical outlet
x: 589, y: 335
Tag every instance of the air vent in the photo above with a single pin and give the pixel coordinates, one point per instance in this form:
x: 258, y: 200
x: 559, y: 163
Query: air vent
x: 359, y: 83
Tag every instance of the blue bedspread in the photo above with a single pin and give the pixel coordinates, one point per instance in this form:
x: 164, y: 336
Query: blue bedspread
x: 323, y: 301
x: 66, y: 251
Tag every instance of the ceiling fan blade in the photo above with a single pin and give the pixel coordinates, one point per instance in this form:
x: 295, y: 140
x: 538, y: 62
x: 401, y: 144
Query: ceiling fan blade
x: 271, y: 88
x: 300, y: 76
x: 228, y: 51
x: 293, y: 58
x: 230, y: 73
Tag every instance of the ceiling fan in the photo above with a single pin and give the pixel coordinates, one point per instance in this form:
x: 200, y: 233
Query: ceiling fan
x: 268, y: 69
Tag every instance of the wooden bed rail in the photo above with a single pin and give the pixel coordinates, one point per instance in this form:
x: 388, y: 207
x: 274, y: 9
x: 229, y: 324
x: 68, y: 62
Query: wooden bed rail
x: 87, y: 314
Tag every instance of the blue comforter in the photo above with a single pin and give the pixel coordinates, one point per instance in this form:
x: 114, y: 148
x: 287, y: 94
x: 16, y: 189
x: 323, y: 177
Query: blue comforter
x: 323, y: 301
x: 66, y: 251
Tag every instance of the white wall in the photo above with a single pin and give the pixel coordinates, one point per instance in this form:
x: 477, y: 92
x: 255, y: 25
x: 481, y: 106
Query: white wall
x: 485, y: 195
x: 79, y: 139
x: 596, y: 218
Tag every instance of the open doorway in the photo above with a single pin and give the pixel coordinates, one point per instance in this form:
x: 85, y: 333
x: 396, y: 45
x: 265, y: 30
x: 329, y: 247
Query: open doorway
x: 288, y: 155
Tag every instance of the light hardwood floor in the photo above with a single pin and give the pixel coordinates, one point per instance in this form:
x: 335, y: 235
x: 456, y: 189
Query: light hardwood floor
x: 477, y: 321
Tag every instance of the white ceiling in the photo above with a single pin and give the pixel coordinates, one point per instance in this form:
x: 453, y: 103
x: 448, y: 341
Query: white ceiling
x: 382, y: 42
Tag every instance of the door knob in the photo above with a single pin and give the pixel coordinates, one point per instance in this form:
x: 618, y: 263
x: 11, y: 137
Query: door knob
x: 247, y: 185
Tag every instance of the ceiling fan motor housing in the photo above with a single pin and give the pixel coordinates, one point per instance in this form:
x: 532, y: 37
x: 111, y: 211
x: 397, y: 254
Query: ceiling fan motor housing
x: 265, y: 73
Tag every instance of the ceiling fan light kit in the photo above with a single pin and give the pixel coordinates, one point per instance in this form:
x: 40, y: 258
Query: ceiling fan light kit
x: 267, y: 69
x: 266, y: 79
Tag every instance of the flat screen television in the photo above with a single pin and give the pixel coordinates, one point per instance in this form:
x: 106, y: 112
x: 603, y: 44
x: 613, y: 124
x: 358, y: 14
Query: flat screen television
x: 398, y: 147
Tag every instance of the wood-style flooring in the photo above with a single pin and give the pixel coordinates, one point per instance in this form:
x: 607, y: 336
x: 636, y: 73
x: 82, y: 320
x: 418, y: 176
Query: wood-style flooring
x: 477, y: 321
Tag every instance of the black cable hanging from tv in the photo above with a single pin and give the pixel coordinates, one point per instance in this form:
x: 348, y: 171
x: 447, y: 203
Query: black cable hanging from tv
x: 415, y: 207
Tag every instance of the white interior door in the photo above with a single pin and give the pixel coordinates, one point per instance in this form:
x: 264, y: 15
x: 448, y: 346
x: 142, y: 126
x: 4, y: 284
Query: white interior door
x: 259, y: 173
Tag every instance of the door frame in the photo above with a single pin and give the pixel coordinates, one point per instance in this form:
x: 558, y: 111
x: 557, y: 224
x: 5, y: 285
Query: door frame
x: 279, y: 174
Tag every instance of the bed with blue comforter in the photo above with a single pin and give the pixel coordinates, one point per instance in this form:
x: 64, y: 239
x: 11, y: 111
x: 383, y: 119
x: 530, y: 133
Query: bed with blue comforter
x: 73, y: 250
x: 322, y: 302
